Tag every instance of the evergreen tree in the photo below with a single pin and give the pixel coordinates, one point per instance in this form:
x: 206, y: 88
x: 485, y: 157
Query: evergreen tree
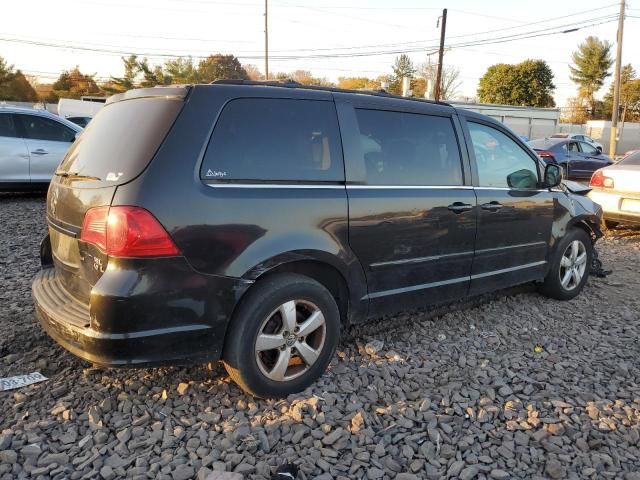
x: 590, y: 68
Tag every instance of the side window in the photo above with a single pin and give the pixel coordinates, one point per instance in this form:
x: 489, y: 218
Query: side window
x: 409, y: 149
x: 573, y: 147
x: 42, y: 128
x: 275, y: 140
x: 588, y: 148
x: 501, y: 162
x: 578, y: 137
x: 7, y: 127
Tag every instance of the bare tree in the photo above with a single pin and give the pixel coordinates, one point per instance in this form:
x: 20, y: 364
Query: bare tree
x: 450, y: 78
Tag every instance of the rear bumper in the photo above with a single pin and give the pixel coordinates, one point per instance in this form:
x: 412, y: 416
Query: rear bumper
x: 137, y: 330
x: 611, y: 203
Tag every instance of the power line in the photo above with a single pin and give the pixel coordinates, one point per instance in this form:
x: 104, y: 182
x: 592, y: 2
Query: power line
x: 418, y: 48
x: 156, y: 52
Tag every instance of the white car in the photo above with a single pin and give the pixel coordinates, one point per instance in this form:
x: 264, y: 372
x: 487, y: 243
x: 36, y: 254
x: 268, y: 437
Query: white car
x: 617, y: 189
x: 32, y: 145
x: 580, y: 137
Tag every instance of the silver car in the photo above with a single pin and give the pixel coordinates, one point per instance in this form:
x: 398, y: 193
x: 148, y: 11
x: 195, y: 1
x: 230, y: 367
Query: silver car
x: 32, y: 144
x: 617, y: 189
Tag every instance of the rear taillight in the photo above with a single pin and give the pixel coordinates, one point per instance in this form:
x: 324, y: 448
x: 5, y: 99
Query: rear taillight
x: 546, y: 155
x: 599, y: 180
x: 126, y: 232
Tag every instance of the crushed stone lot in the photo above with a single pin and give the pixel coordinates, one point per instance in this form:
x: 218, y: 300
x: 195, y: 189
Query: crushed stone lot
x: 462, y: 395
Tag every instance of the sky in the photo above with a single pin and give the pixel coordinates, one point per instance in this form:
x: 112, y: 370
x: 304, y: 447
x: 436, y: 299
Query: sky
x: 330, y: 38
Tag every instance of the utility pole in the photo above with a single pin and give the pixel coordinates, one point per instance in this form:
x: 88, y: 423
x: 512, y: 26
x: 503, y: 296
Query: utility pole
x: 266, y: 41
x: 443, y: 27
x: 613, y: 137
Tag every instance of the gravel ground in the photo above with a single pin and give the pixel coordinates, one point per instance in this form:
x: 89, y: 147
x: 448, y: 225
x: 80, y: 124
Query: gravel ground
x: 460, y: 395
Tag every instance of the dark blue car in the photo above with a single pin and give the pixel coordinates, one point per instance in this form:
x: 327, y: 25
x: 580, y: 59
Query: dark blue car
x: 578, y: 159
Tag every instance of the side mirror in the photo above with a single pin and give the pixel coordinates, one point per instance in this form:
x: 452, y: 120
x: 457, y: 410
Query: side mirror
x: 522, y: 179
x: 599, y: 150
x: 552, y: 175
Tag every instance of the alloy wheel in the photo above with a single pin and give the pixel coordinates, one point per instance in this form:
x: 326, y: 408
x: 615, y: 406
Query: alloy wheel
x: 573, y: 265
x: 290, y: 340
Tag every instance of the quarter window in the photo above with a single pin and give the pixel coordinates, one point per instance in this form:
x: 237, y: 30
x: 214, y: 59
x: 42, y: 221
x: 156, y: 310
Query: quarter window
x: 501, y: 162
x: 7, y: 127
x: 409, y: 149
x: 42, y: 128
x: 275, y: 140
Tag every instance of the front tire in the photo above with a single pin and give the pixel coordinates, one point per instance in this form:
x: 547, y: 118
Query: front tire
x: 570, y: 268
x: 282, y: 336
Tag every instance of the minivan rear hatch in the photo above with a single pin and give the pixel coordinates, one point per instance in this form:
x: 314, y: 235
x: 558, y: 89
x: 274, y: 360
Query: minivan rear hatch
x: 116, y: 147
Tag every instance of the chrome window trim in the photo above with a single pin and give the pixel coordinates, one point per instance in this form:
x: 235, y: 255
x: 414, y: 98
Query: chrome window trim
x: 410, y: 187
x: 367, y: 187
x: 513, y: 189
x: 271, y: 185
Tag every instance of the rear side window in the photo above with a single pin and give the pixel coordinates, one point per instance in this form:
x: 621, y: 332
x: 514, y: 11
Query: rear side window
x: 409, y: 149
x: 265, y: 139
x: 122, y: 139
x: 7, y: 127
x: 42, y: 128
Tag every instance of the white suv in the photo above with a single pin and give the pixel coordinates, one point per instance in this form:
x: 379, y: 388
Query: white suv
x: 32, y: 144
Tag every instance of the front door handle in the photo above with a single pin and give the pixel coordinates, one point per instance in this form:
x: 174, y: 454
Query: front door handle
x: 491, y: 206
x: 39, y: 151
x: 459, y: 207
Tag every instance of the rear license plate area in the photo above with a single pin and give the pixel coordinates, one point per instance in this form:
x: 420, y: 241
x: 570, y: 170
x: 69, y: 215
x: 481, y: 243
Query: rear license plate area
x: 631, y: 205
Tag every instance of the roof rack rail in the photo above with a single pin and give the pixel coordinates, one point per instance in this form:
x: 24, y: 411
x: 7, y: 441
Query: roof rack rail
x: 289, y: 83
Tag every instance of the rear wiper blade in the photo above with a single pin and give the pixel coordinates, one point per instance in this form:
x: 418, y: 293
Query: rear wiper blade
x: 60, y: 173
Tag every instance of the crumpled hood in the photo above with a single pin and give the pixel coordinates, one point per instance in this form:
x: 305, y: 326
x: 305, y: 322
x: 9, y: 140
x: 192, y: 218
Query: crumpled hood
x: 575, y: 187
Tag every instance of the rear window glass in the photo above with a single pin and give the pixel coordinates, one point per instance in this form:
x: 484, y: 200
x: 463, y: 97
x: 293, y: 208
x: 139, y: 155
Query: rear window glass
x: 409, y: 149
x: 121, y: 139
x: 7, y: 128
x: 268, y: 139
x: 41, y: 128
x: 542, y: 144
x: 633, y: 159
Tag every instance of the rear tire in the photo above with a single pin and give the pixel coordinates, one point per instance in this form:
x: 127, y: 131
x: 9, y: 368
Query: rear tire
x: 610, y: 224
x: 282, y: 336
x: 570, y: 266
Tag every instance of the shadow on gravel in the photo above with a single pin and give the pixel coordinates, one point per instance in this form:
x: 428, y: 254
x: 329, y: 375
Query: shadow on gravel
x: 26, y: 195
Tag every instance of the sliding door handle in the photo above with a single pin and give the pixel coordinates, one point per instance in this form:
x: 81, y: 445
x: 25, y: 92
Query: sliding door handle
x: 459, y: 207
x: 491, y: 206
x: 40, y: 151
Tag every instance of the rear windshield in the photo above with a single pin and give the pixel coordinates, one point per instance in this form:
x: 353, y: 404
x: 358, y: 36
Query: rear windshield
x: 541, y: 144
x: 632, y: 159
x: 121, y: 139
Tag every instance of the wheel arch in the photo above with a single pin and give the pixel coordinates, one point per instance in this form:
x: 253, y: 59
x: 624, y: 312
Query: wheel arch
x: 590, y: 224
x: 325, y: 274
x: 345, y: 280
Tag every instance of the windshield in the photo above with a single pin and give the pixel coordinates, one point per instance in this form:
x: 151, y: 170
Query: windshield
x: 121, y: 139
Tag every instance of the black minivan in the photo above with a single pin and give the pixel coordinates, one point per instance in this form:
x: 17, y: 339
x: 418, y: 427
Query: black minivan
x: 250, y: 222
